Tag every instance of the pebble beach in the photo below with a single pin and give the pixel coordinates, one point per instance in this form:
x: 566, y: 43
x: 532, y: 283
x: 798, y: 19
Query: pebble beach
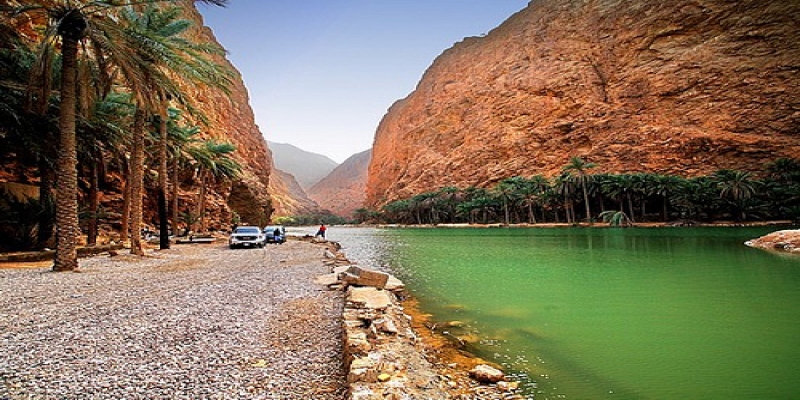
x: 195, y: 321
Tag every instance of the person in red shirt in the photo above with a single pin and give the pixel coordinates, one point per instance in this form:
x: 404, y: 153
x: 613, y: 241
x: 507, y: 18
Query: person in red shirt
x: 321, y: 231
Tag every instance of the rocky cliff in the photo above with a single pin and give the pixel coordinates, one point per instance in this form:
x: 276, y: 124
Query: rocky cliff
x: 681, y: 86
x: 343, y: 190
x: 288, y: 196
x: 231, y: 119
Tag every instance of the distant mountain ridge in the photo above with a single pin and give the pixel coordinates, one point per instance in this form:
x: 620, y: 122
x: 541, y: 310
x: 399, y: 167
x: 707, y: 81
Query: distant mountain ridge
x: 344, y: 189
x: 288, y: 198
x: 308, y: 168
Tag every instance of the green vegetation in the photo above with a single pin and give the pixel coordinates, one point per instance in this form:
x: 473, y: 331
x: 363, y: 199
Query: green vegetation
x: 619, y: 199
x: 83, y: 83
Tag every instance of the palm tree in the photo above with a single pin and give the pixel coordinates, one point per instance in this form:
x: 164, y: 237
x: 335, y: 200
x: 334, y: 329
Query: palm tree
x: 73, y: 22
x: 616, y: 218
x: 580, y: 168
x: 101, y: 130
x: 169, y: 55
x: 665, y: 186
x: 784, y: 170
x: 213, y: 162
x: 565, y: 187
x: 736, y: 187
x: 181, y: 137
x: 532, y: 191
x: 508, y: 191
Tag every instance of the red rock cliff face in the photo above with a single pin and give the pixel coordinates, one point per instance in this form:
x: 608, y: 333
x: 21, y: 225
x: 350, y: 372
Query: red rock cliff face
x: 231, y: 119
x: 288, y: 197
x: 680, y: 86
x: 342, y: 191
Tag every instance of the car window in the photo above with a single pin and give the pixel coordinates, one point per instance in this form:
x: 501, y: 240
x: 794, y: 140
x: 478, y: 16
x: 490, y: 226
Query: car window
x: 250, y: 229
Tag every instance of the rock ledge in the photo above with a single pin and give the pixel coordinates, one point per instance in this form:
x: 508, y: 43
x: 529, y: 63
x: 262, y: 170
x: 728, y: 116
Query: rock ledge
x: 384, y: 358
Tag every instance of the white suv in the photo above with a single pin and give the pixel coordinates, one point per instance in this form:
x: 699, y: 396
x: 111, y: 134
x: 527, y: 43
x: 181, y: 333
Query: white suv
x: 246, y: 236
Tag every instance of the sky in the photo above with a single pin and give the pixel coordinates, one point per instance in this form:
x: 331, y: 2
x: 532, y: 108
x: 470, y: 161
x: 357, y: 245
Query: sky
x: 322, y: 73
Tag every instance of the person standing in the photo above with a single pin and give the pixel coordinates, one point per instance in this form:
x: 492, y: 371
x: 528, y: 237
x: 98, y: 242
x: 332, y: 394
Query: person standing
x: 321, y: 231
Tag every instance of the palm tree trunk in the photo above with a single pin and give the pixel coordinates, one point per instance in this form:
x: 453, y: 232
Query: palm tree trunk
x: 174, y: 198
x: 126, y: 203
x: 644, y: 210
x: 586, y: 202
x: 630, y: 207
x: 505, y: 210
x: 48, y: 177
x: 137, y: 181
x: 94, y: 204
x: 201, y: 203
x: 67, y: 229
x: 531, y: 214
x: 162, y: 181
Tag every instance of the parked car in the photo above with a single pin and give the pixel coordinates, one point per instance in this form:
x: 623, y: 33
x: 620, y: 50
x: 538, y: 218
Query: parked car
x: 246, y: 236
x: 272, y: 237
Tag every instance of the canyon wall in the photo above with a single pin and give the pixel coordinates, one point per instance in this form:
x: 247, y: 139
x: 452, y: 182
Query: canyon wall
x: 288, y: 197
x: 231, y: 119
x: 343, y: 190
x: 682, y: 87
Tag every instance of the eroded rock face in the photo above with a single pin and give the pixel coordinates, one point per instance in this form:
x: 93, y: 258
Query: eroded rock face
x: 343, y: 190
x: 231, y: 119
x: 288, y: 197
x: 683, y: 87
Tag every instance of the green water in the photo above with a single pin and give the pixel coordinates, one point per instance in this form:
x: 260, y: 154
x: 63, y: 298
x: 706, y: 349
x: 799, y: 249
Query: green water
x: 669, y: 313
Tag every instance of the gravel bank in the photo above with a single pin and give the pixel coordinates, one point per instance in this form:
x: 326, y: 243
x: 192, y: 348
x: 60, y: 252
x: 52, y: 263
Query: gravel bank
x: 194, y: 322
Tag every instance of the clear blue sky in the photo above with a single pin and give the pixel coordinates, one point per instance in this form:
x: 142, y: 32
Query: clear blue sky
x: 322, y: 73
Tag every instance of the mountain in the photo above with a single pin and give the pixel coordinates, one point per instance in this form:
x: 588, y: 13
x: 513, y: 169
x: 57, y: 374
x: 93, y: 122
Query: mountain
x: 308, y: 168
x: 683, y: 87
x: 343, y: 190
x: 288, y: 198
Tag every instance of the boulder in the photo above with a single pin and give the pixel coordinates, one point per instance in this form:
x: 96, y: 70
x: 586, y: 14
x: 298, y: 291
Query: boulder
x: 369, y: 297
x: 364, y: 277
x: 486, y: 374
x: 327, y: 280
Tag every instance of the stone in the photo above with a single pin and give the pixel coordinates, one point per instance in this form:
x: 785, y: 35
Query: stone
x: 784, y: 240
x: 394, y: 284
x: 507, y: 386
x: 327, y: 280
x: 363, y: 369
x: 364, y: 277
x: 340, y: 269
x: 385, y: 325
x: 486, y: 374
x: 357, y: 344
x: 369, y: 297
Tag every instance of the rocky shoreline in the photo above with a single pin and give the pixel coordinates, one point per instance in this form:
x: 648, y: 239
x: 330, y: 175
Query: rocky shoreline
x: 390, y: 353
x: 202, y: 321
x: 784, y: 241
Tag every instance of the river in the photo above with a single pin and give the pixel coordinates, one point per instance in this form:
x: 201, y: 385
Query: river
x: 607, y: 313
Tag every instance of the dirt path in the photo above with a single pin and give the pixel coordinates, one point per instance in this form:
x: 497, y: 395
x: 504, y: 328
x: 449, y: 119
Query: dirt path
x: 193, y: 322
